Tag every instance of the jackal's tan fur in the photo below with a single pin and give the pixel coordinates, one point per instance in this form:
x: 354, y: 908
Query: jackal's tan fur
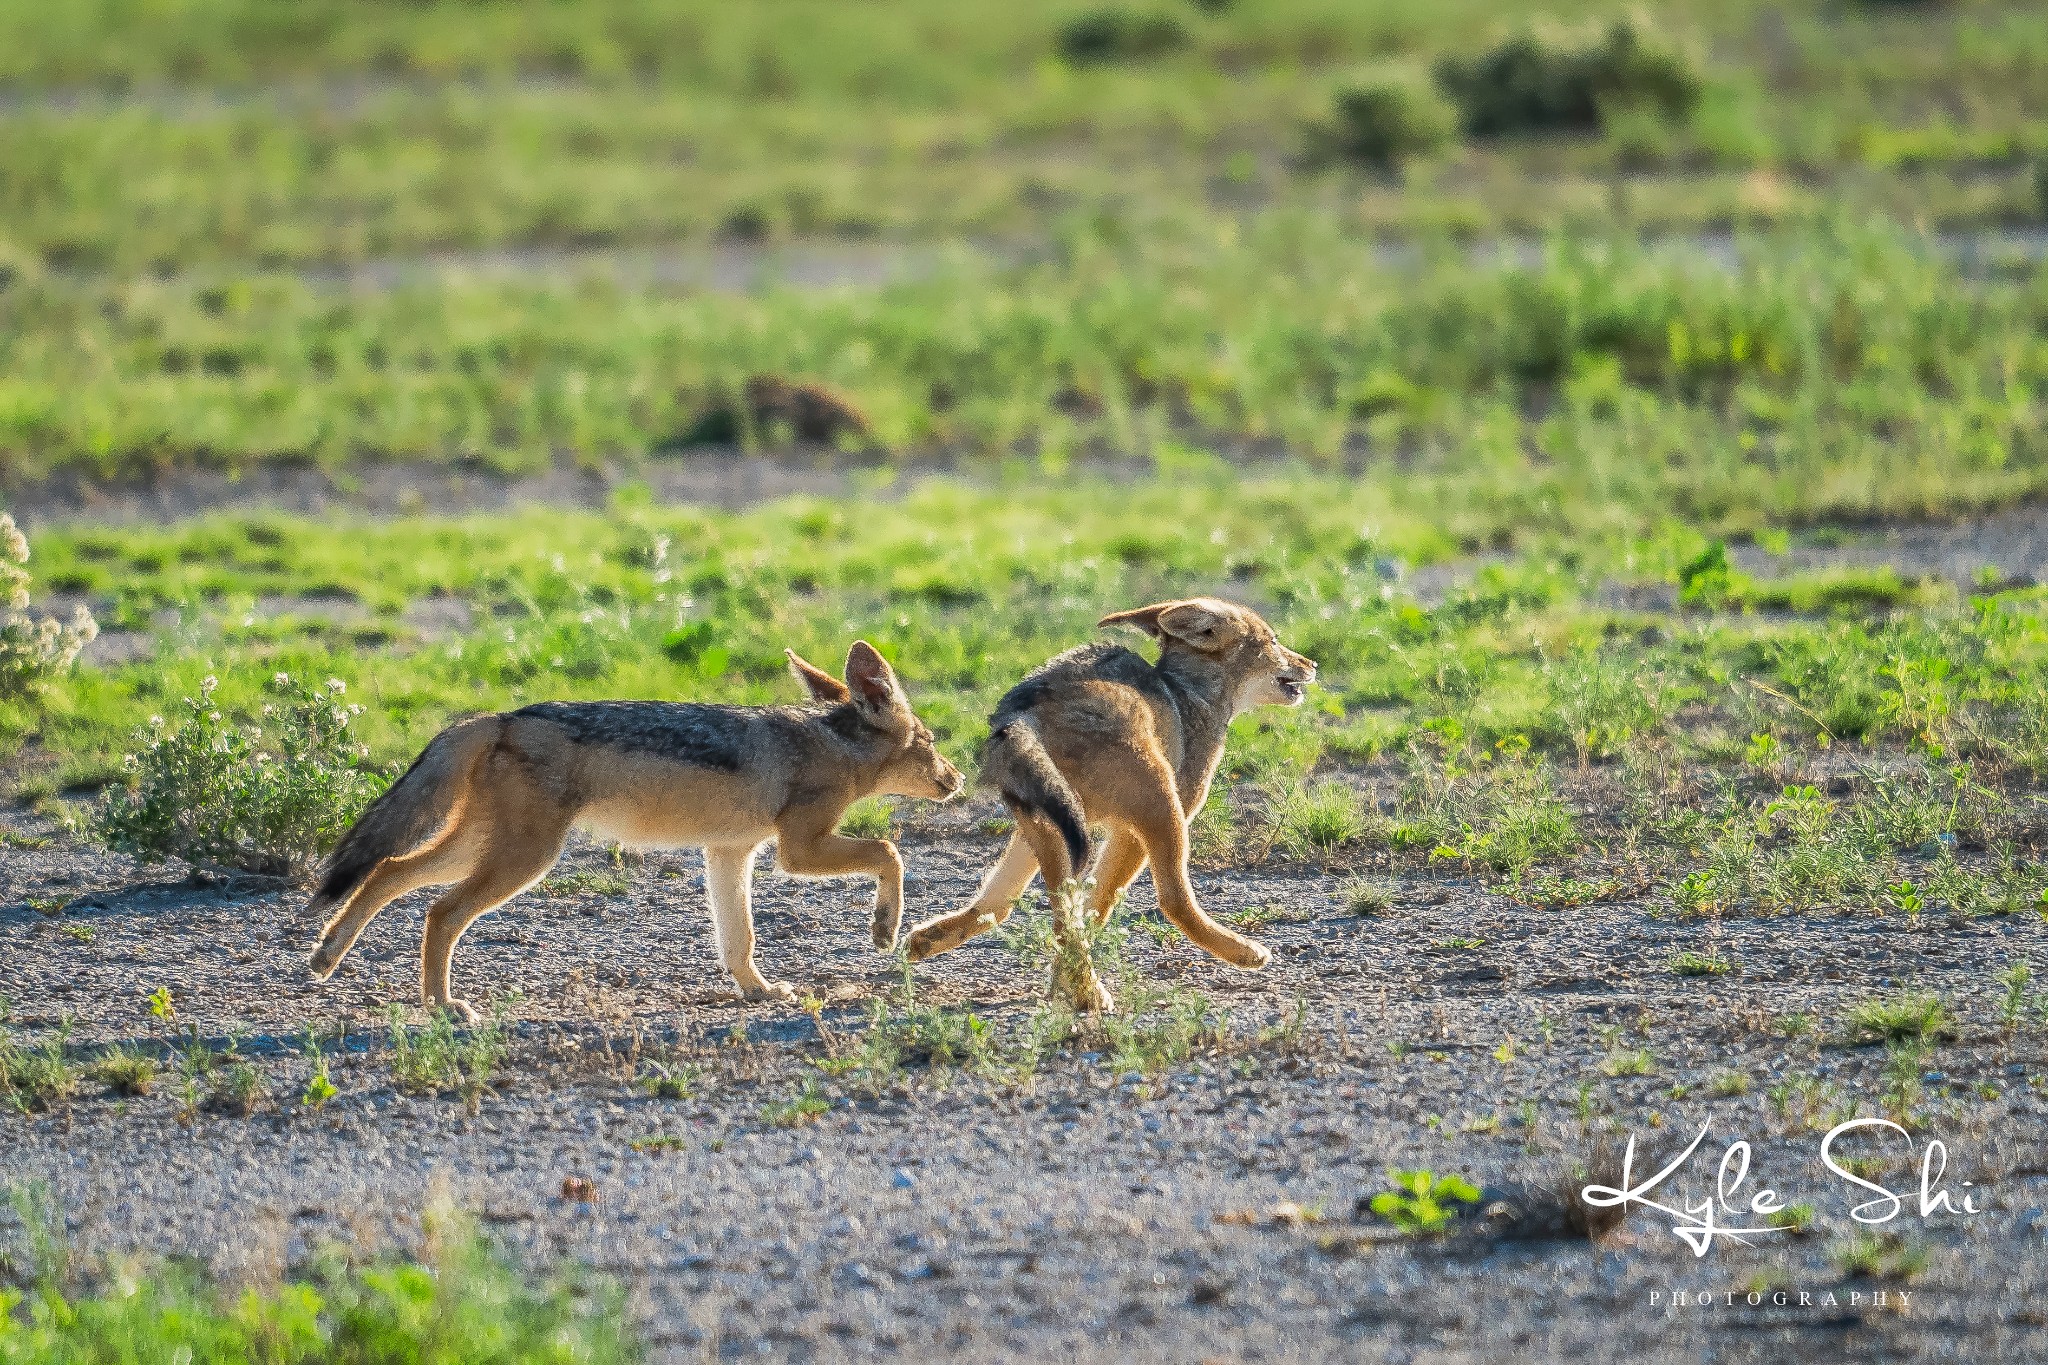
x: 1101, y: 736
x: 489, y: 803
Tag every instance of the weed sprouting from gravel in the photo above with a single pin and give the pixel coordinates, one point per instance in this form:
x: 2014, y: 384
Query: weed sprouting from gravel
x: 124, y: 1071
x: 1313, y: 822
x: 1423, y: 1203
x: 587, y: 883
x: 1628, y: 1062
x: 437, y: 1057
x: 1689, y: 963
x: 807, y: 1105
x: 1879, y: 1255
x: 1364, y: 897
x: 37, y: 1077
x: 669, y: 1080
x: 234, y: 1087
x: 1908, y: 1015
x: 2020, y: 1004
x: 269, y: 798
x: 1724, y: 1085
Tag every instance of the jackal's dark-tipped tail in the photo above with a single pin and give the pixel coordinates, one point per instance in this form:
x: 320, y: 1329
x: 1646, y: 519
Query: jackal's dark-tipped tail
x: 1016, y: 764
x: 413, y: 814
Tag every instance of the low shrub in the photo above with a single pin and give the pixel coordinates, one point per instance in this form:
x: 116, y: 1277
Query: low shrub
x: 270, y: 798
x: 1538, y: 81
x: 1101, y: 36
x: 1382, y: 123
x: 32, y: 649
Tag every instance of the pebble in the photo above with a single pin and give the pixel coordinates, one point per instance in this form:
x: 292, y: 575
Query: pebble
x: 903, y: 1180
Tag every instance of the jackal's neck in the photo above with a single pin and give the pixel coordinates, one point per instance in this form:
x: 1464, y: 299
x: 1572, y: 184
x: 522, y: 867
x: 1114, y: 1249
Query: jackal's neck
x: 1204, y: 695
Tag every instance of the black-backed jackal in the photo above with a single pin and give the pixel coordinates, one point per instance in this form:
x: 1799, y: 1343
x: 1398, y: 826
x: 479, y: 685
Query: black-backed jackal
x: 1101, y: 736
x: 489, y: 803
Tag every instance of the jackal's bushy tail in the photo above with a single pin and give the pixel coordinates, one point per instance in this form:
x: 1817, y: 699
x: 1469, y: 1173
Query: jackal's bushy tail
x: 415, y: 812
x: 1016, y: 764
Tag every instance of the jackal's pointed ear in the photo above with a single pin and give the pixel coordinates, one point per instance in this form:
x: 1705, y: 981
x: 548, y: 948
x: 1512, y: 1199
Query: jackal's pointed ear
x: 874, y: 685
x: 821, y: 685
x: 1139, y: 618
x: 1197, y: 622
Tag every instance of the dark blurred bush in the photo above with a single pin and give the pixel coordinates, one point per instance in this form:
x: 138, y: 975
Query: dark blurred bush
x: 1543, y: 81
x: 1119, y: 35
x: 1380, y: 123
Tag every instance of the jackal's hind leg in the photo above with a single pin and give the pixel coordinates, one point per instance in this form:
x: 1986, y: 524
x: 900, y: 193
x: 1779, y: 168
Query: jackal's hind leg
x: 1000, y: 886
x: 500, y: 875
x: 1122, y: 859
x: 390, y: 879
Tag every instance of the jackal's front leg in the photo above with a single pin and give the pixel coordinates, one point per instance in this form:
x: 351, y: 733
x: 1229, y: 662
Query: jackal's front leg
x: 729, y: 885
x: 809, y: 850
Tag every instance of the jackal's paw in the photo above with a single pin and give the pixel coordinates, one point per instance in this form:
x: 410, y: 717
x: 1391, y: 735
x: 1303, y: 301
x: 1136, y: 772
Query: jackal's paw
x: 323, y: 962
x: 769, y: 990
x: 465, y: 1013
x: 884, y: 935
x: 924, y: 940
x: 1248, y: 955
x: 1092, y: 997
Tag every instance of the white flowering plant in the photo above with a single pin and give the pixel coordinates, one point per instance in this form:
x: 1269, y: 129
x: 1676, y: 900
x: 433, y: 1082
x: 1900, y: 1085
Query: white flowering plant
x: 270, y: 797
x: 33, y: 649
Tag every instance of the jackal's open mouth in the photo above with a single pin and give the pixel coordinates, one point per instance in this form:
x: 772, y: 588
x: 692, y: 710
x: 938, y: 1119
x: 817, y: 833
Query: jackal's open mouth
x: 1292, y: 690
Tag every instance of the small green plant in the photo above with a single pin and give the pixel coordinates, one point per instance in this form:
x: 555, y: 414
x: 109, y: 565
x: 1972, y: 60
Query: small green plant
x: 1909, y: 1015
x: 1796, y: 1219
x: 1724, y: 1085
x: 1115, y: 34
x: 161, y: 1007
x: 1905, y: 896
x: 587, y: 883
x: 1255, y: 917
x: 235, y: 1087
x: 1422, y: 1203
x: 1628, y: 1062
x: 669, y: 1081
x: 78, y: 933
x: 1879, y: 1255
x: 320, y: 1087
x: 1689, y: 963
x: 1364, y: 897
x: 2018, y: 1002
x: 437, y: 1058
x: 269, y: 799
x: 1312, y: 823
x: 37, y: 1078
x: 124, y: 1071
x: 807, y: 1105
x: 659, y: 1142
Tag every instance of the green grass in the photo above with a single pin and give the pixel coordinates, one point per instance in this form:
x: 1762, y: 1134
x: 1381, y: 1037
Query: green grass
x: 1842, y: 372
x: 1438, y: 735
x: 328, y: 131
x: 1907, y: 1017
x: 437, y: 1058
x: 463, y: 1303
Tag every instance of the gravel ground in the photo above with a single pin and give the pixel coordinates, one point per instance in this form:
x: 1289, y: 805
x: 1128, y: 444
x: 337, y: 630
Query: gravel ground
x: 1210, y: 1210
